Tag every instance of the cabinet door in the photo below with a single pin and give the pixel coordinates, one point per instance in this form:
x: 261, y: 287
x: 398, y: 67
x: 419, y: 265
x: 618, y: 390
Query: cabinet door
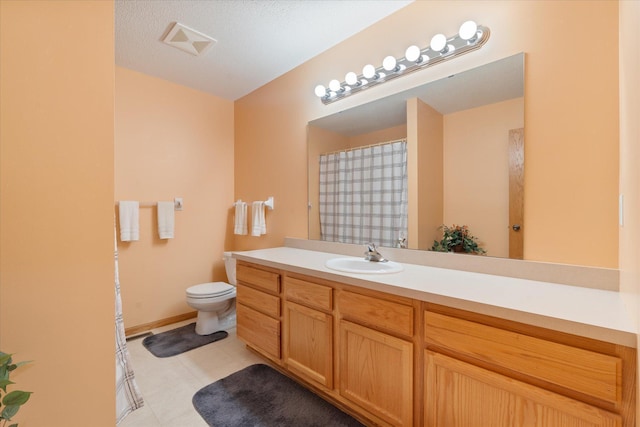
x: 376, y: 372
x: 308, y: 343
x: 460, y: 394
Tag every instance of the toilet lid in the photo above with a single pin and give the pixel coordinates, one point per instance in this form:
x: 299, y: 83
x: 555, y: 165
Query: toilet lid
x: 208, y: 290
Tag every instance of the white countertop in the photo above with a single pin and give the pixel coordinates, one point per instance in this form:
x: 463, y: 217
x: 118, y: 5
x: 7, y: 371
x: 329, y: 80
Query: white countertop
x: 593, y: 313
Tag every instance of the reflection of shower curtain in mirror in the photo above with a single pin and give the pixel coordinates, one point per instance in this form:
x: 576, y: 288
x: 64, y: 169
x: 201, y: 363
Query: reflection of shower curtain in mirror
x: 363, y: 194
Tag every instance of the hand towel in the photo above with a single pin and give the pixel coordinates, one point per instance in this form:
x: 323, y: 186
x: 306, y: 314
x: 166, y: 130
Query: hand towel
x: 258, y: 225
x: 166, y: 219
x: 129, y: 221
x: 240, y: 221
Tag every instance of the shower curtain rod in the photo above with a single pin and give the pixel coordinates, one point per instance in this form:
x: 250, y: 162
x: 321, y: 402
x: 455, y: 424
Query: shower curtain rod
x: 364, y: 146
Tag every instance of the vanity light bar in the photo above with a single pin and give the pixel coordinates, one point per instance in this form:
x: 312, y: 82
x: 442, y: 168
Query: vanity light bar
x: 470, y: 37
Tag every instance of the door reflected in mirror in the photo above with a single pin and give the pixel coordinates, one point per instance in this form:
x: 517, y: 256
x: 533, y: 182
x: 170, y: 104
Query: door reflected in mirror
x: 465, y: 156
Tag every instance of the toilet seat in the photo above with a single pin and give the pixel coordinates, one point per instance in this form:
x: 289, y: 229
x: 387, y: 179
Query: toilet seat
x: 210, y: 290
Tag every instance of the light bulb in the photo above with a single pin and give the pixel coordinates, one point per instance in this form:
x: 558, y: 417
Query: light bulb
x: 412, y: 53
x: 320, y: 91
x: 369, y: 71
x: 351, y: 78
x: 468, y: 30
x: 438, y: 42
x: 389, y: 63
x: 334, y: 85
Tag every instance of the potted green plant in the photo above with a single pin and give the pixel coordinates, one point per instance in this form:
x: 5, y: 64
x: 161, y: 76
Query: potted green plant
x: 457, y: 239
x: 10, y: 402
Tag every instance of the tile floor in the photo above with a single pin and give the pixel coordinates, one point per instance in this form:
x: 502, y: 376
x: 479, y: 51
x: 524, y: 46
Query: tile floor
x: 168, y: 384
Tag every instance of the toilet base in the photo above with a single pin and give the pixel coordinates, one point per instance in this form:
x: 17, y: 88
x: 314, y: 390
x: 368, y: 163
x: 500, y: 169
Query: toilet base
x: 207, y: 322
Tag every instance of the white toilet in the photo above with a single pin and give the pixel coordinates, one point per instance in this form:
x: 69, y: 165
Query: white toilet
x: 215, y: 301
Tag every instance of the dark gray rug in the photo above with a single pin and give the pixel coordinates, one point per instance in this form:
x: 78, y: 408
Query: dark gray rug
x: 179, y: 340
x: 260, y: 396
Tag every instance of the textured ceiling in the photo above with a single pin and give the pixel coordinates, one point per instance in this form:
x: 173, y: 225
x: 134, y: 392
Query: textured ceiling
x: 257, y: 40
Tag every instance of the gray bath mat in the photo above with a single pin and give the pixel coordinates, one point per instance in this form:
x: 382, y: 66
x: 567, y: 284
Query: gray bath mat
x: 179, y: 340
x: 259, y: 396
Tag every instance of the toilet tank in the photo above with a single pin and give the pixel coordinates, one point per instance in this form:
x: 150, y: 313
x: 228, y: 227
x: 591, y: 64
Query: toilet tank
x: 230, y: 267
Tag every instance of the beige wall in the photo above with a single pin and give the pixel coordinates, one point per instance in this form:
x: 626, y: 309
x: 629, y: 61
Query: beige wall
x: 171, y: 141
x: 56, y: 208
x: 380, y: 136
x: 476, y: 171
x: 630, y: 154
x: 425, y: 169
x: 571, y: 116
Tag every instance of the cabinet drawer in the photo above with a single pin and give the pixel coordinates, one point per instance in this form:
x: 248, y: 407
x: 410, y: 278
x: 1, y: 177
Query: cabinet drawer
x: 258, y: 278
x: 595, y: 374
x: 309, y: 294
x: 258, y: 330
x: 386, y: 315
x: 267, y: 304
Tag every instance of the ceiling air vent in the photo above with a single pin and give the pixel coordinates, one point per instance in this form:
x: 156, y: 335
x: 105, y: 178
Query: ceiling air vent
x: 191, y: 41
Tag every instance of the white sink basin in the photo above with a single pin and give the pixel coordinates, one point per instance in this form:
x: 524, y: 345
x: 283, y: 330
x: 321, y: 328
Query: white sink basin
x: 360, y: 265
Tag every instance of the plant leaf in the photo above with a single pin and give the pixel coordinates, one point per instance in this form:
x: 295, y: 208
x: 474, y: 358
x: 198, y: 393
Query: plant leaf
x: 9, y: 411
x: 16, y: 397
x: 4, y: 383
x: 5, y: 358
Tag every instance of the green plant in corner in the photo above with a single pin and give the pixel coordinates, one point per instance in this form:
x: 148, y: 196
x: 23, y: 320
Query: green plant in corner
x: 10, y: 402
x: 457, y: 239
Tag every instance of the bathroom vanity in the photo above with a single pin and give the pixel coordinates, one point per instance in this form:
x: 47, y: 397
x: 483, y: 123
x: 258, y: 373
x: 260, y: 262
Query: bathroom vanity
x: 436, y: 347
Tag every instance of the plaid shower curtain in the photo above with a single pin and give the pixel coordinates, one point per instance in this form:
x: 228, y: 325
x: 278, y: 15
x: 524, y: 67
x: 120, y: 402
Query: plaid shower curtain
x: 363, y: 194
x: 128, y: 397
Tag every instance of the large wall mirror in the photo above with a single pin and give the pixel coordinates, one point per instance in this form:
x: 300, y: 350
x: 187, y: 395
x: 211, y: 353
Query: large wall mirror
x: 464, y: 156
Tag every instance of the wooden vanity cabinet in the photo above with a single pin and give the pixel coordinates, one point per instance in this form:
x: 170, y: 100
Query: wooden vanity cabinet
x: 481, y: 370
x: 395, y: 361
x: 258, y: 312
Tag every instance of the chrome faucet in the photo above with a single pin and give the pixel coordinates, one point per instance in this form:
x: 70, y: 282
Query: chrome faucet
x: 373, y: 255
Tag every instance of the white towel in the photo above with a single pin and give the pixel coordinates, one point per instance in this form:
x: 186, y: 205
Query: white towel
x: 129, y: 221
x: 240, y: 221
x: 258, y: 225
x: 166, y: 219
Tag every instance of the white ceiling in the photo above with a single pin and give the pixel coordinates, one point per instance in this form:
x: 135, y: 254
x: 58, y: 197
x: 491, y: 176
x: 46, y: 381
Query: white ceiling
x: 257, y: 40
